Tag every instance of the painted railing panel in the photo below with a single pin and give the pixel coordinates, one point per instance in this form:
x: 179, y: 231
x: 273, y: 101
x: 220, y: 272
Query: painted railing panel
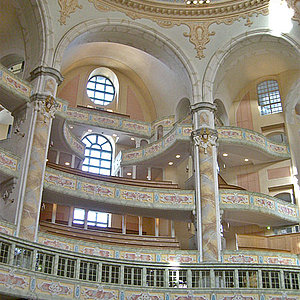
x: 105, y: 192
x: 166, y: 122
x: 110, y: 121
x: 178, y: 133
x: 260, y: 257
x: 14, y: 83
x: 7, y: 228
x: 119, y: 252
x: 234, y: 135
x: 30, y: 281
x: 73, y: 141
x: 245, y: 200
x: 9, y: 163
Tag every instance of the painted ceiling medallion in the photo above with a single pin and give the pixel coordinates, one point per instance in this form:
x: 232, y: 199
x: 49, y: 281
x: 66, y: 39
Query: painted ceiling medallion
x: 197, y: 17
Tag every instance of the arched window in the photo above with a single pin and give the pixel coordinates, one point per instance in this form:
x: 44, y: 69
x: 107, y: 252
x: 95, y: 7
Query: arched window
x: 269, y: 99
x: 98, y: 154
x: 100, y: 90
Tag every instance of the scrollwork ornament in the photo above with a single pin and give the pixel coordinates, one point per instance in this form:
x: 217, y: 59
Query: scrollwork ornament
x: 66, y: 8
x: 205, y: 138
x: 199, y: 35
x: 47, y: 107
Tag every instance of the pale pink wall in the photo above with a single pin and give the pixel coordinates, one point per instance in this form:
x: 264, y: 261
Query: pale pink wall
x: 249, y: 181
x: 69, y: 91
x: 279, y: 173
x: 133, y: 107
x: 243, y: 113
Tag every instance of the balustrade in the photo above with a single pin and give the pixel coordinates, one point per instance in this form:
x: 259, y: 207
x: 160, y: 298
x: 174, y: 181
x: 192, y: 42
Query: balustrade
x: 36, y: 258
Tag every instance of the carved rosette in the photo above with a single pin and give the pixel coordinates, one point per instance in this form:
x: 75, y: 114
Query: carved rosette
x: 47, y: 107
x: 205, y: 138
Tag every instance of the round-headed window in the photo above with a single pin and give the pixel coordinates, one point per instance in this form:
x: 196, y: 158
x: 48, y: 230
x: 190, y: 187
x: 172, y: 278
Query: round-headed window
x: 100, y: 90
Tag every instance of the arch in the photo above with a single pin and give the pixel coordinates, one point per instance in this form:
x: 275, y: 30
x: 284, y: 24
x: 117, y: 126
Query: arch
x: 278, y: 137
x: 37, y: 30
x: 219, y: 57
x: 285, y: 196
x: 159, y: 132
x: 182, y: 109
x: 131, y: 34
x: 221, y: 113
x: 144, y: 142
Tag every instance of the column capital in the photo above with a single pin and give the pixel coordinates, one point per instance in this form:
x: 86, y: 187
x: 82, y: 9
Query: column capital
x: 46, y: 71
x: 205, y: 137
x: 203, y: 106
x: 45, y: 104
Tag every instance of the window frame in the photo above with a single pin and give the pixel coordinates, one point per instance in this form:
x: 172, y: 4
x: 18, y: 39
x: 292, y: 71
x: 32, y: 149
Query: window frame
x: 88, y: 166
x: 97, y: 82
x: 266, y: 94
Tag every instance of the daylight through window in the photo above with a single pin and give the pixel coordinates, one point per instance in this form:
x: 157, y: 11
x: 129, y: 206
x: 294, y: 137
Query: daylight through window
x: 98, y: 154
x: 269, y: 100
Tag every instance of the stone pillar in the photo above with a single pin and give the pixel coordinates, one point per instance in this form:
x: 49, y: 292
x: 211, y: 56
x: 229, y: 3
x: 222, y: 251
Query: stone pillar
x: 44, y: 81
x: 206, y: 177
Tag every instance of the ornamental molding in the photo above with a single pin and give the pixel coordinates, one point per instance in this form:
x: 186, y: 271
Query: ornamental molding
x: 66, y: 8
x: 204, y: 138
x: 198, y: 19
x: 46, y: 105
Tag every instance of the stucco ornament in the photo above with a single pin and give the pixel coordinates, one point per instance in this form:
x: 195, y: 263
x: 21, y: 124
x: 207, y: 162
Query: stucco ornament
x: 205, y: 138
x: 66, y: 8
x: 47, y: 107
x: 198, y: 18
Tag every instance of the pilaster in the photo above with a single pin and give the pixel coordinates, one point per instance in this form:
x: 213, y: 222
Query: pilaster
x: 45, y: 81
x: 206, y: 177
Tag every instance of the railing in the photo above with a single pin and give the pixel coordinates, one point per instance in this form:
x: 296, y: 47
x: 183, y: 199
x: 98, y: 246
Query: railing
x: 121, y: 195
x: 245, y: 200
x: 27, y: 268
x: 73, y: 141
x: 252, y: 138
x: 178, y: 133
x: 9, y: 163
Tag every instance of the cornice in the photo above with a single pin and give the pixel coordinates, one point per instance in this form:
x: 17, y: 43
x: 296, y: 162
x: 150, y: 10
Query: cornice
x: 197, y: 18
x: 181, y: 12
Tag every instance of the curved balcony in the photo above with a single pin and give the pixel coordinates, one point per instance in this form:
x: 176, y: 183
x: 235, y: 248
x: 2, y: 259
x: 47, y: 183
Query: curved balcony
x: 179, y: 136
x: 257, y: 146
x: 33, y: 270
x: 256, y: 208
x: 70, y: 185
x: 13, y: 91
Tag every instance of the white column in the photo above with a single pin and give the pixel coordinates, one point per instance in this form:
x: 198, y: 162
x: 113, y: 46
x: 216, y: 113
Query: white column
x: 73, y: 162
x: 156, y: 226
x: 121, y: 171
x: 137, y: 142
x: 71, y: 214
x: 134, y: 172
x: 57, y: 157
x: 172, y: 229
x: 149, y: 173
x: 123, y: 224
x: 85, y: 218
x: 54, y: 209
x: 140, y: 225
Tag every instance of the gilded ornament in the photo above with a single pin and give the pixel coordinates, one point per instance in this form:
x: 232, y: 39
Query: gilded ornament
x: 66, y: 8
